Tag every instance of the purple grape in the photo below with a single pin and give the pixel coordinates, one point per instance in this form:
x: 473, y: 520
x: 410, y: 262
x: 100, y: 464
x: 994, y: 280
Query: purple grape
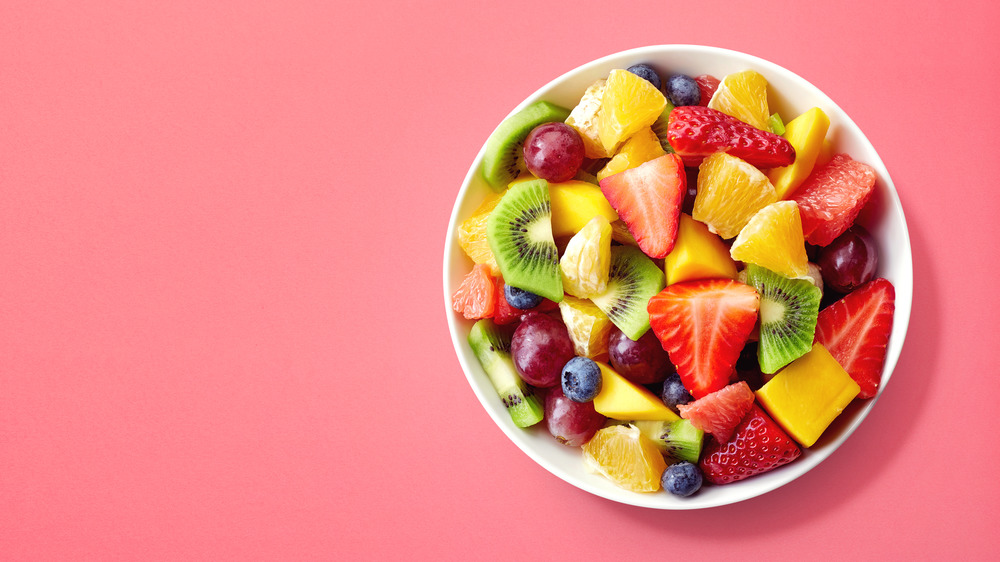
x: 540, y: 348
x: 643, y: 361
x: 554, y: 152
x: 571, y: 423
x: 849, y: 261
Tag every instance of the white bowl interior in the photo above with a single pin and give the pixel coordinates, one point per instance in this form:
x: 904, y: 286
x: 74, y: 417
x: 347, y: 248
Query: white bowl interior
x: 790, y: 95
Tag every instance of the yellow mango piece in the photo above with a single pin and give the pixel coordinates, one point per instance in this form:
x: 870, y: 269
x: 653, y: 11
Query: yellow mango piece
x: 628, y: 105
x: 621, y: 399
x: 825, y: 154
x: 639, y: 148
x: 584, y: 118
x: 808, y: 394
x: 806, y: 134
x: 697, y: 254
x: 574, y: 203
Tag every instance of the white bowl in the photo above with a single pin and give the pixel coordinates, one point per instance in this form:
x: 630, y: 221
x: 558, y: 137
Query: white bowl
x: 883, y: 216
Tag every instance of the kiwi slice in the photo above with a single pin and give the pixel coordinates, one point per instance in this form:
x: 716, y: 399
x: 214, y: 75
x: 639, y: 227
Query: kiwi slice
x: 678, y: 439
x: 519, y: 231
x: 788, y: 312
x: 632, y: 281
x: 504, y: 147
x: 491, y: 344
x: 660, y: 128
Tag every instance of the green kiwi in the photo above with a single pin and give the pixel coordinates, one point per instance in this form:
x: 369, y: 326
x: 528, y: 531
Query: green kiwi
x: 632, y: 281
x: 519, y: 231
x: 788, y: 312
x: 491, y: 344
x: 678, y: 439
x: 504, y: 147
x: 660, y: 128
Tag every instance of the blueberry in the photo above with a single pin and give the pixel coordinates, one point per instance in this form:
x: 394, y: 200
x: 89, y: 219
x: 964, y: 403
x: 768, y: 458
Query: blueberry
x: 681, y: 479
x: 647, y: 73
x: 581, y: 379
x: 682, y: 90
x: 520, y: 299
x: 674, y: 392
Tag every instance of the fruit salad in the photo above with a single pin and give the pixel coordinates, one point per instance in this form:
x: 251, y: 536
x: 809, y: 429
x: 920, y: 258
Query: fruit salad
x: 668, y: 276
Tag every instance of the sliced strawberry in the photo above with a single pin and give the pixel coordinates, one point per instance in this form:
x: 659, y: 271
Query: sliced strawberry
x: 832, y: 196
x: 757, y: 446
x: 648, y: 199
x: 855, y: 330
x: 476, y: 296
x: 696, y: 132
x: 707, y: 84
x: 704, y: 325
x: 720, y: 412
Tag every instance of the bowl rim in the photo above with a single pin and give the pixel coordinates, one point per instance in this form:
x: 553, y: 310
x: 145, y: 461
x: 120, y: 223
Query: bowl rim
x: 763, y: 483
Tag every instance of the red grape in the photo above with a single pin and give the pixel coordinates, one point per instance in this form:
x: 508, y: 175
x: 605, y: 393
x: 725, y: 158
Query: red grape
x: 643, y: 361
x: 571, y: 423
x: 553, y: 152
x: 540, y: 348
x: 850, y: 260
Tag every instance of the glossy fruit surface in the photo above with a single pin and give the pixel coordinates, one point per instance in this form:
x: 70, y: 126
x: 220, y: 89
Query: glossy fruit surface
x: 472, y: 234
x: 681, y: 89
x: 588, y: 327
x: 629, y: 104
x: 832, y: 196
x: 476, y: 296
x: 626, y: 457
x: 540, y: 348
x: 850, y: 261
x: 642, y: 362
x: 553, y: 152
x: 744, y: 96
x: 707, y: 84
x: 696, y: 132
x: 674, y: 394
x: 581, y: 379
x: 682, y: 479
x: 720, y: 412
x: 647, y: 73
x: 773, y: 239
x: 648, y: 198
x: 730, y: 192
x: 586, y: 261
x: 758, y: 445
x: 571, y: 423
x: 521, y: 299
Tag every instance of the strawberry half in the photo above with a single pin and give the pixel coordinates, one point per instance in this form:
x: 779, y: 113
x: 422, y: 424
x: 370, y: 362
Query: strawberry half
x: 704, y: 325
x: 757, y: 446
x: 696, y: 132
x: 648, y: 199
x: 855, y: 330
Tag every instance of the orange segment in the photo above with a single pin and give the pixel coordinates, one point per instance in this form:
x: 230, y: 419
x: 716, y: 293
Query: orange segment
x: 773, y: 239
x: 629, y: 105
x: 639, y: 148
x: 586, y: 261
x: 588, y: 327
x: 744, y: 96
x: 626, y: 457
x: 730, y: 191
x: 472, y: 234
x: 584, y: 116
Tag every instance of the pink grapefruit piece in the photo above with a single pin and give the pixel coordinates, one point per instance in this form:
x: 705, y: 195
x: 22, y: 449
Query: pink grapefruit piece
x: 720, y: 412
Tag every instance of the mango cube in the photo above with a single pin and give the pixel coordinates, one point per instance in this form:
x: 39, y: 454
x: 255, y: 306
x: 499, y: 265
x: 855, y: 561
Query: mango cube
x: 697, y: 254
x: 574, y: 203
x: 808, y: 394
x: 621, y: 399
x: 806, y: 134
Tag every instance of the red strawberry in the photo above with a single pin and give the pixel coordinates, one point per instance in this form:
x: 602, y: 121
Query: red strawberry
x: 719, y: 412
x: 505, y: 313
x: 832, y: 196
x: 703, y: 325
x: 476, y: 297
x: 707, y: 84
x: 648, y: 198
x: 855, y: 330
x: 696, y: 132
x: 758, y: 445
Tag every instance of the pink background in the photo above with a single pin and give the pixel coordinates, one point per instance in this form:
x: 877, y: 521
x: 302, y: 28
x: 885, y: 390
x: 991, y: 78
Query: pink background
x: 221, y: 329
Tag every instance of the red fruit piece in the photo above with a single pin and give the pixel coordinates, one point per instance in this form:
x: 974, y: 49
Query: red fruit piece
x: 648, y: 199
x: 832, y: 196
x: 476, y: 296
x: 720, y: 412
x: 696, y: 132
x: 704, y: 325
x: 707, y: 84
x: 855, y: 330
x: 757, y: 446
x: 505, y: 313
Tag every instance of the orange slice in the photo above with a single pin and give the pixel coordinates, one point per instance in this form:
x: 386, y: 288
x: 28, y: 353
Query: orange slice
x: 626, y: 457
x: 588, y: 327
x: 472, y: 234
x: 730, y: 191
x: 744, y: 96
x: 773, y: 239
x: 629, y: 104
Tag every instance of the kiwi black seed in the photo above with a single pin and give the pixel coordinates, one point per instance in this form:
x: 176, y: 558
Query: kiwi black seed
x: 519, y: 231
x: 788, y: 312
x: 503, y: 158
x: 491, y: 344
x: 632, y: 281
x: 678, y: 439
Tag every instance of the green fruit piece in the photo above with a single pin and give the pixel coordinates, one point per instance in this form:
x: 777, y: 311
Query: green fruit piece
x: 788, y: 312
x: 491, y: 344
x: 519, y: 231
x: 678, y: 439
x: 632, y: 280
x: 660, y: 128
x: 504, y: 148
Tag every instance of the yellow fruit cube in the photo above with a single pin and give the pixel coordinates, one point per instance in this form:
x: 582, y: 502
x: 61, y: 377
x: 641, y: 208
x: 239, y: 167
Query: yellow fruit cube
x: 697, y: 254
x: 639, y: 148
x: 629, y: 104
x: 825, y: 154
x: 584, y: 116
x: 588, y: 327
x: 806, y: 134
x: 773, y: 239
x: 622, y: 399
x: 574, y: 203
x: 808, y: 394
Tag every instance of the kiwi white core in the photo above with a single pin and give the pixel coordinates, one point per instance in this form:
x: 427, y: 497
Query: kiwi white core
x: 771, y: 311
